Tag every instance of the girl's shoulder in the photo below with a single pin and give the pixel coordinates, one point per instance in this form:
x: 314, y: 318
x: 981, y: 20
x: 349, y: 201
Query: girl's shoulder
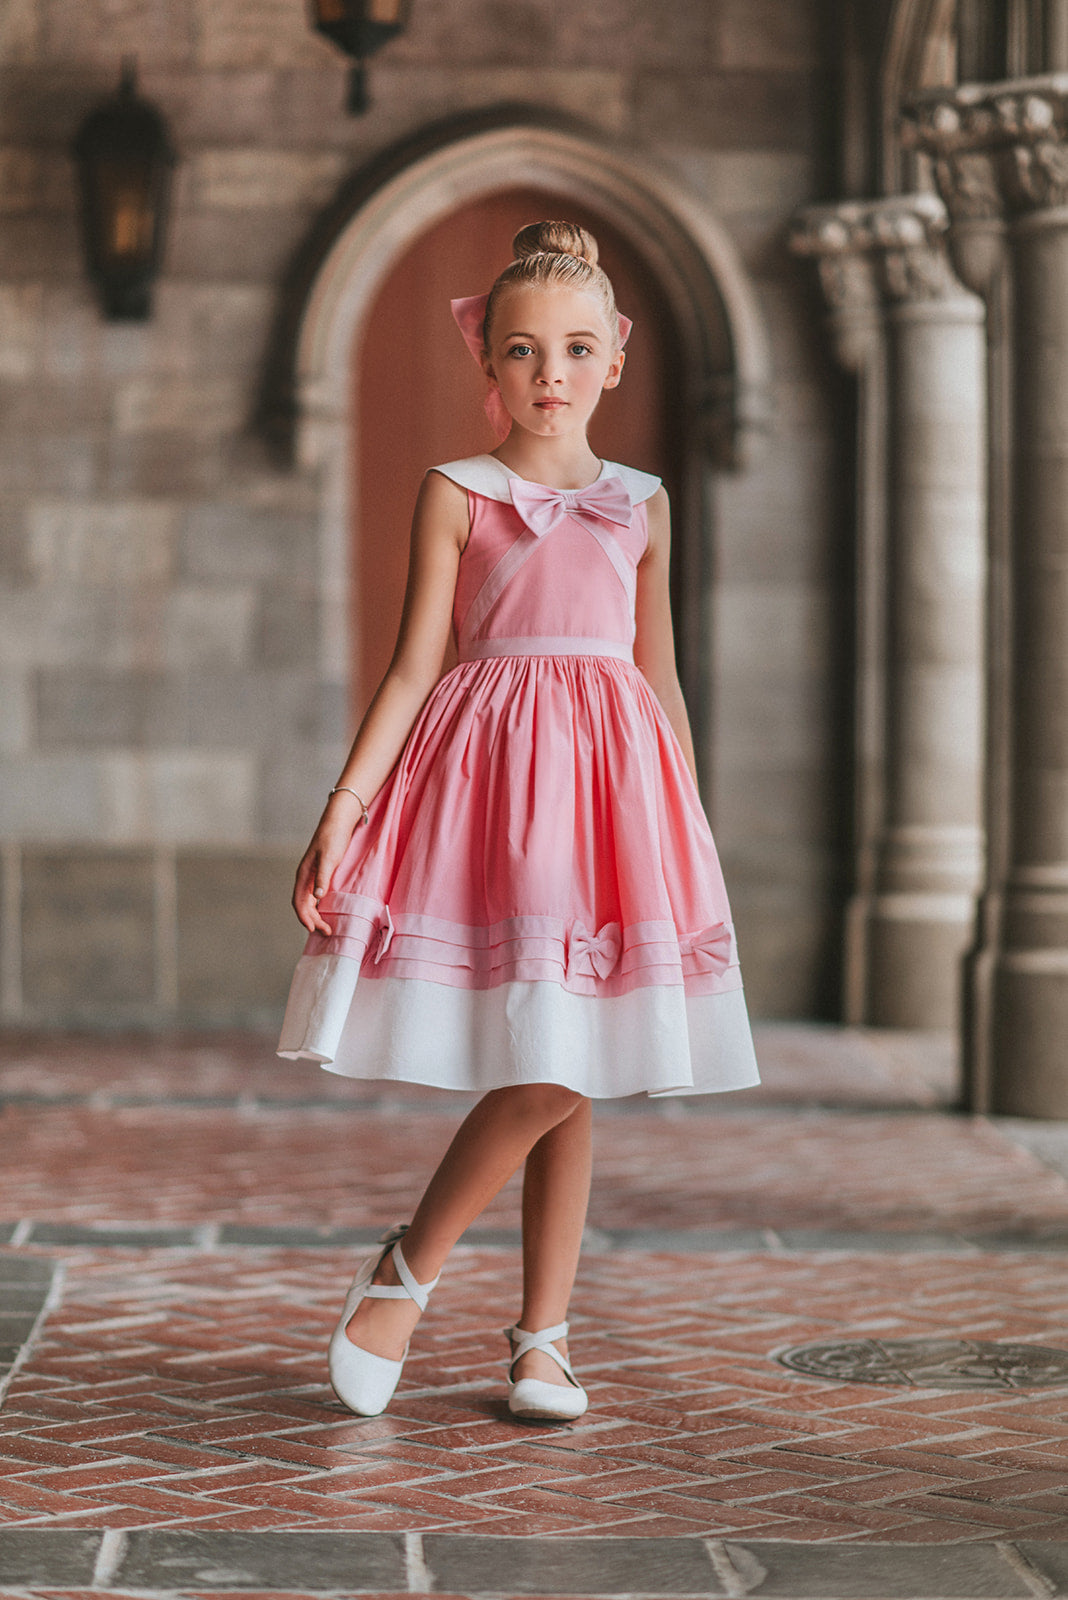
x: 487, y: 476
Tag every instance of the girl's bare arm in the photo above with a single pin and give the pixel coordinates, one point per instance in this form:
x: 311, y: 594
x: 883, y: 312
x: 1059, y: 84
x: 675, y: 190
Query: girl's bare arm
x: 439, y: 531
x: 654, y: 641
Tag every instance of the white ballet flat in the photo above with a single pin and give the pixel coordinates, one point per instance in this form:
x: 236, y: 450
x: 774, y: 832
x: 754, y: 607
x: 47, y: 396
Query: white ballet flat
x: 535, y: 1399
x: 362, y: 1381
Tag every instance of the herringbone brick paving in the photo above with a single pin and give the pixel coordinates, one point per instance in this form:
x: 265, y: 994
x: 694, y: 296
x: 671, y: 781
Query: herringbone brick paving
x: 185, y: 1388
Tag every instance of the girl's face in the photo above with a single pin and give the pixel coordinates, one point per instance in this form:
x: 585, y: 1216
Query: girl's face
x: 552, y: 357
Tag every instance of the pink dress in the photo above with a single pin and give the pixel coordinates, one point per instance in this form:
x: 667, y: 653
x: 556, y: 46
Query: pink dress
x: 537, y: 897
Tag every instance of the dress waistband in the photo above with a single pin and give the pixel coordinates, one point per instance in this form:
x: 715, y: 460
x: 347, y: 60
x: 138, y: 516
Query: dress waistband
x: 568, y: 645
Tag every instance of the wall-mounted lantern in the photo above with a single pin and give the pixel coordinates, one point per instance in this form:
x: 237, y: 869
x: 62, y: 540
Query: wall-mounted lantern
x: 124, y: 156
x: 360, y: 27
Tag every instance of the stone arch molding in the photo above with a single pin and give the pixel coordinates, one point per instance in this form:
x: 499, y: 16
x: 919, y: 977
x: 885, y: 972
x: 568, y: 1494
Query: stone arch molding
x: 716, y: 311
x: 683, y: 243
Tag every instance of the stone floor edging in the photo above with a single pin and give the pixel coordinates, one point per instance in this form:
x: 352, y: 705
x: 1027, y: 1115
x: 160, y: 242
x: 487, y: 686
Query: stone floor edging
x: 157, y: 1561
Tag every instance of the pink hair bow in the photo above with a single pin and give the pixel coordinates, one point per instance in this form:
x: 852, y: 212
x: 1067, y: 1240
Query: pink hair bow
x: 711, y: 948
x: 593, y: 954
x: 541, y: 508
x: 470, y: 316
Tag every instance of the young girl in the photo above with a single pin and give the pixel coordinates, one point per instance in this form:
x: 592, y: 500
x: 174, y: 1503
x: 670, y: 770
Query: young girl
x: 534, y: 906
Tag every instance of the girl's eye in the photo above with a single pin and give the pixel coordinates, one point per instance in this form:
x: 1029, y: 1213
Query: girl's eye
x: 579, y: 349
x: 520, y: 350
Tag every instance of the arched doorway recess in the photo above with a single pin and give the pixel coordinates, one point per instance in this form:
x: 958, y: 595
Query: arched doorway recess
x: 726, y: 370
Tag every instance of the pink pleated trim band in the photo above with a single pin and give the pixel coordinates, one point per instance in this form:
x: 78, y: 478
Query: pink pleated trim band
x: 487, y: 649
x: 607, y: 961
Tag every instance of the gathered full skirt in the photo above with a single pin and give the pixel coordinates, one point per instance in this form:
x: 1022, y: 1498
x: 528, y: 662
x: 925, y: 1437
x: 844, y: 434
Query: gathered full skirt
x: 536, y: 898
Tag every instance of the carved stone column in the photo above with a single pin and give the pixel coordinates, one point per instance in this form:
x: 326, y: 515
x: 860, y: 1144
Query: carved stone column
x: 1014, y: 136
x: 977, y: 245
x: 921, y: 605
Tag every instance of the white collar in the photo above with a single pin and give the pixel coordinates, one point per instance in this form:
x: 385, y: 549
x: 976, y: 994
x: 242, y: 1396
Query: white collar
x: 487, y: 476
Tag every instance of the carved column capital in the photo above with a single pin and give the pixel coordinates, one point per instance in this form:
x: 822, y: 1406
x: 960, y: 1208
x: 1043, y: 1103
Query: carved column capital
x: 1000, y: 147
x: 872, y: 252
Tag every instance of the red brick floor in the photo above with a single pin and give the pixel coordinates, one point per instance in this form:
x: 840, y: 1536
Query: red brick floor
x: 184, y: 1387
x: 179, y: 1388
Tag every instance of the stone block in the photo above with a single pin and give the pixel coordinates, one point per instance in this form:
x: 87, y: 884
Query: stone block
x: 225, y: 106
x: 20, y: 33
x: 758, y: 34
x: 211, y: 328
x: 203, y: 625
x: 16, y: 718
x: 786, y: 521
x: 797, y: 339
x: 516, y: 1565
x: 466, y: 32
x: 36, y: 461
x: 239, y: 180
x: 177, y: 796
x: 256, y: 33
x: 789, y: 952
x: 259, y: 708
x: 85, y: 707
x: 64, y: 1556
x: 253, y: 246
x: 78, y: 343
x: 746, y: 183
x: 623, y: 33
x: 293, y: 790
x: 356, y: 1563
x: 731, y: 110
x: 21, y: 180
x: 13, y: 567
x: 195, y: 406
x: 51, y: 796
x: 797, y: 807
x: 852, y: 1571
x: 165, y: 463
x: 40, y: 247
x: 88, y: 931
x: 287, y: 630
x: 246, y: 543
x: 159, y: 33
x: 238, y: 939
x: 126, y: 542
x: 772, y: 632
x: 405, y: 96
x: 50, y: 627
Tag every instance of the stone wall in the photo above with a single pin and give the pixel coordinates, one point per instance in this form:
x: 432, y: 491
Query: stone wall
x: 166, y: 731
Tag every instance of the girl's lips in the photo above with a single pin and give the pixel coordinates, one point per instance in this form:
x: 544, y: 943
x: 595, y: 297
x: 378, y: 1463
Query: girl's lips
x: 549, y: 405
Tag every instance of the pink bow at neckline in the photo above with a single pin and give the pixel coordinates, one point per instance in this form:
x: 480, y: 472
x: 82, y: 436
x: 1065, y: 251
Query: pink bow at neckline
x: 542, y: 508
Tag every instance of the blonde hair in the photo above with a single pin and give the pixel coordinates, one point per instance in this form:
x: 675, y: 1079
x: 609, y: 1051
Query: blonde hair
x: 550, y: 253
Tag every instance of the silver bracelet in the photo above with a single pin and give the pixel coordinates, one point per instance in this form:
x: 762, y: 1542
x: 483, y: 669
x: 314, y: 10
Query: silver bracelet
x: 343, y: 788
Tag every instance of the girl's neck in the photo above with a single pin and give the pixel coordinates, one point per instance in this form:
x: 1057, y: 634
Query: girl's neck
x: 558, y: 463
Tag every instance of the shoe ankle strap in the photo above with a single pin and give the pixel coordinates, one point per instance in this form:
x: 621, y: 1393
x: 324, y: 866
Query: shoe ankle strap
x: 420, y: 1292
x: 542, y: 1340
x: 408, y: 1288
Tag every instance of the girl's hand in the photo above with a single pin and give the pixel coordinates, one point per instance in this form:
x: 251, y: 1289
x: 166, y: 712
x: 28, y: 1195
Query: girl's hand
x: 329, y: 843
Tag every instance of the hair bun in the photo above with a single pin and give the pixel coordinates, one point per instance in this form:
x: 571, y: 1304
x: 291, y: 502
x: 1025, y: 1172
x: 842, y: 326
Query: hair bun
x: 555, y: 238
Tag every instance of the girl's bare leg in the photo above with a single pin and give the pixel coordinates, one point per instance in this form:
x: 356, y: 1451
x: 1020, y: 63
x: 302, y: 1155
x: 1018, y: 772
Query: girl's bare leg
x: 556, y: 1192
x: 489, y: 1146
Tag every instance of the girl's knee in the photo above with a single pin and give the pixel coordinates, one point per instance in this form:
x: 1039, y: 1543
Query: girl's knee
x: 543, y: 1102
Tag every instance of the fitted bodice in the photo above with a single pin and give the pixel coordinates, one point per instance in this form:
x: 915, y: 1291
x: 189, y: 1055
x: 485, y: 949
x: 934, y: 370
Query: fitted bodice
x: 568, y: 590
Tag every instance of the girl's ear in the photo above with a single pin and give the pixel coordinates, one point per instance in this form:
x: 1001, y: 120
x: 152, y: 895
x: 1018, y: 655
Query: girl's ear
x: 615, y: 371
